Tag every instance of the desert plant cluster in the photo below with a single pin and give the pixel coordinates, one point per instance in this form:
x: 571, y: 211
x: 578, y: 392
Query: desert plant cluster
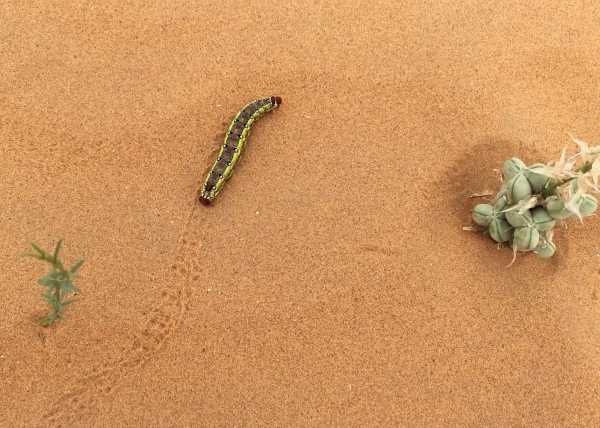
x: 534, y: 199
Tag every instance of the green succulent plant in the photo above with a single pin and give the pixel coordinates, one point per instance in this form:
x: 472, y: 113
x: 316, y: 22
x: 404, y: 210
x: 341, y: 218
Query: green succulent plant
x: 533, y: 199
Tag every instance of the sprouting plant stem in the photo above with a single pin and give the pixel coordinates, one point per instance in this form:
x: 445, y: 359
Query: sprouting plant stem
x: 58, y: 282
x: 57, y: 297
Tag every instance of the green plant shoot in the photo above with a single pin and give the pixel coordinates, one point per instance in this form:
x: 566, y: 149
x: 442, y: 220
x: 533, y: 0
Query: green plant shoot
x: 58, y: 282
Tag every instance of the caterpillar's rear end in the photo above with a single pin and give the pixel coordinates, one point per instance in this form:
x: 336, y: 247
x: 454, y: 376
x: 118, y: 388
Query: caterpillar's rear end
x: 235, y: 141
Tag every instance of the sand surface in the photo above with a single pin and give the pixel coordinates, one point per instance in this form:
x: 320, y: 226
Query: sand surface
x: 331, y: 283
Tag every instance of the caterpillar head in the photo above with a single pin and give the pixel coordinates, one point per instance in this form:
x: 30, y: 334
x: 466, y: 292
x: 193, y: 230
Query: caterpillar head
x: 276, y: 101
x: 204, y: 201
x: 204, y: 197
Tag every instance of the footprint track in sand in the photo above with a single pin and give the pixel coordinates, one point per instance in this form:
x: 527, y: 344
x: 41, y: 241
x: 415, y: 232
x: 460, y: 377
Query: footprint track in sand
x: 77, y: 406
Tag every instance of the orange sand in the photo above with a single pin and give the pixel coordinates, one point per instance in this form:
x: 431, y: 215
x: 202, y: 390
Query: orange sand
x: 331, y: 284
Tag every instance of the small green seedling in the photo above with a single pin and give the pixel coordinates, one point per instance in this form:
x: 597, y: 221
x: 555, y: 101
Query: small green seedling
x: 533, y: 199
x: 58, y: 282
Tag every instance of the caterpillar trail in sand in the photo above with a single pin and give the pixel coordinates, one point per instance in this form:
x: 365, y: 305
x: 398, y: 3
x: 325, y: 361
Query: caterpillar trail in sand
x: 235, y: 141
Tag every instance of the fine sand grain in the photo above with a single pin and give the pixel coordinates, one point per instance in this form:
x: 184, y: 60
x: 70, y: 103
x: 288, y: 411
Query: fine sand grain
x: 331, y: 283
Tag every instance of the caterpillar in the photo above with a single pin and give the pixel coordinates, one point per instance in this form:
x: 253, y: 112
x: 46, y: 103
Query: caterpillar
x: 235, y: 140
